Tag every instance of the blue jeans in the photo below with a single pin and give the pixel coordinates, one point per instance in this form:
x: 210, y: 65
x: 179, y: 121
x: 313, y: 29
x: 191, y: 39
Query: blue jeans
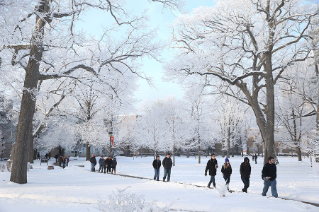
x: 246, y: 182
x: 101, y: 168
x: 212, y: 180
x: 64, y: 165
x: 92, y: 167
x: 157, y: 172
x: 273, y: 184
x: 168, y: 173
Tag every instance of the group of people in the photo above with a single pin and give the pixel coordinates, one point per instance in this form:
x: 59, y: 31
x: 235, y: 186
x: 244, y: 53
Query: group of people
x: 269, y: 172
x: 64, y: 161
x: 107, y: 165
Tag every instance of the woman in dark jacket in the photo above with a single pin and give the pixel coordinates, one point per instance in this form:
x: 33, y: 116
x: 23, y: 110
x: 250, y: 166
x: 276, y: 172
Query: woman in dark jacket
x: 227, y: 171
x: 245, y: 170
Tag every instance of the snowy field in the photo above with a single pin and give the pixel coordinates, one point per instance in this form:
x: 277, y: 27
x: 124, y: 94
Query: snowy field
x: 77, y: 189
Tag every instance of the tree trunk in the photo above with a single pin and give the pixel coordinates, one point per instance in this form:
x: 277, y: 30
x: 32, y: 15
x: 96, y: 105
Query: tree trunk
x: 233, y: 151
x: 187, y: 153
x: 88, y: 152
x: 299, y: 153
x: 270, y: 112
x: 24, y: 129
x: 228, y: 141
x: 31, y: 150
x: 174, y: 156
x: 199, y: 155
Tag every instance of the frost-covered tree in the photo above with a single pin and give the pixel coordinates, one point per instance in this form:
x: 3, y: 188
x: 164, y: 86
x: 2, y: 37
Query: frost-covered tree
x: 247, y: 44
x: 200, y: 130
x: 230, y: 120
x: 152, y: 126
x: 46, y: 38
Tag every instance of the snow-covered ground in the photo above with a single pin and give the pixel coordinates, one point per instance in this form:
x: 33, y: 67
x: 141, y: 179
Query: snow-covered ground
x: 77, y: 189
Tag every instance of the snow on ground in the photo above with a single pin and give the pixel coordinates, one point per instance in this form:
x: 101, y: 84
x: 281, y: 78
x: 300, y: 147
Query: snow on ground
x: 77, y: 189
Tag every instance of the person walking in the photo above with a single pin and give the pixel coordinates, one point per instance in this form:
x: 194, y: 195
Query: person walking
x: 114, y: 164
x: 255, y: 158
x: 101, y: 164
x: 167, y: 164
x: 65, y: 161
x: 93, y: 163
x: 227, y: 171
x: 269, y: 174
x: 245, y: 170
x: 56, y: 158
x: 38, y: 156
x: 104, y: 165
x: 109, y: 164
x: 212, y: 165
x: 60, y: 160
x: 157, y: 165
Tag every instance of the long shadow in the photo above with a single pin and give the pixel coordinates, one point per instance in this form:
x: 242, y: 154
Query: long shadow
x: 144, y: 178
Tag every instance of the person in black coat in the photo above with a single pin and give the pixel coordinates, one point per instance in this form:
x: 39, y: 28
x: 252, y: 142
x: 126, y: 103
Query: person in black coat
x: 269, y: 174
x: 109, y: 164
x: 114, y: 164
x: 255, y: 158
x: 227, y: 171
x: 93, y: 163
x: 212, y: 165
x: 157, y: 165
x: 245, y: 170
x: 167, y: 164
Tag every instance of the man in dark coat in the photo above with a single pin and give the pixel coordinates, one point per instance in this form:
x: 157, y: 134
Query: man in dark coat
x: 104, y: 165
x: 167, y: 164
x: 60, y: 160
x: 108, y: 164
x: 269, y: 175
x: 157, y: 165
x: 114, y: 164
x: 212, y: 166
x: 245, y: 170
x: 101, y: 164
x: 93, y: 163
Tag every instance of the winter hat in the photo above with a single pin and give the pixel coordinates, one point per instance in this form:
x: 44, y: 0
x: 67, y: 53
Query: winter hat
x: 226, y: 160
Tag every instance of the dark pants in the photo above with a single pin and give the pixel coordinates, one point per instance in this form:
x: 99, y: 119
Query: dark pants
x: 64, y: 165
x: 101, y: 168
x: 212, y: 180
x: 108, y: 169
x: 167, y: 172
x: 156, y: 176
x: 60, y: 164
x: 246, y: 182
x: 114, y: 170
x: 227, y: 179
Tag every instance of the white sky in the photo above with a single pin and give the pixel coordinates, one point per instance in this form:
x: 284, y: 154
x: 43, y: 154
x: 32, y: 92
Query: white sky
x: 93, y: 21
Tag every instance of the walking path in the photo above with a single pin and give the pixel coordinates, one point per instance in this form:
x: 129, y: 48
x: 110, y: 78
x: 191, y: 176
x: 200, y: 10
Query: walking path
x: 144, y: 178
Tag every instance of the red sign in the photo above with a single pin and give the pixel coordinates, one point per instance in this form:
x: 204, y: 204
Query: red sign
x: 112, y: 140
